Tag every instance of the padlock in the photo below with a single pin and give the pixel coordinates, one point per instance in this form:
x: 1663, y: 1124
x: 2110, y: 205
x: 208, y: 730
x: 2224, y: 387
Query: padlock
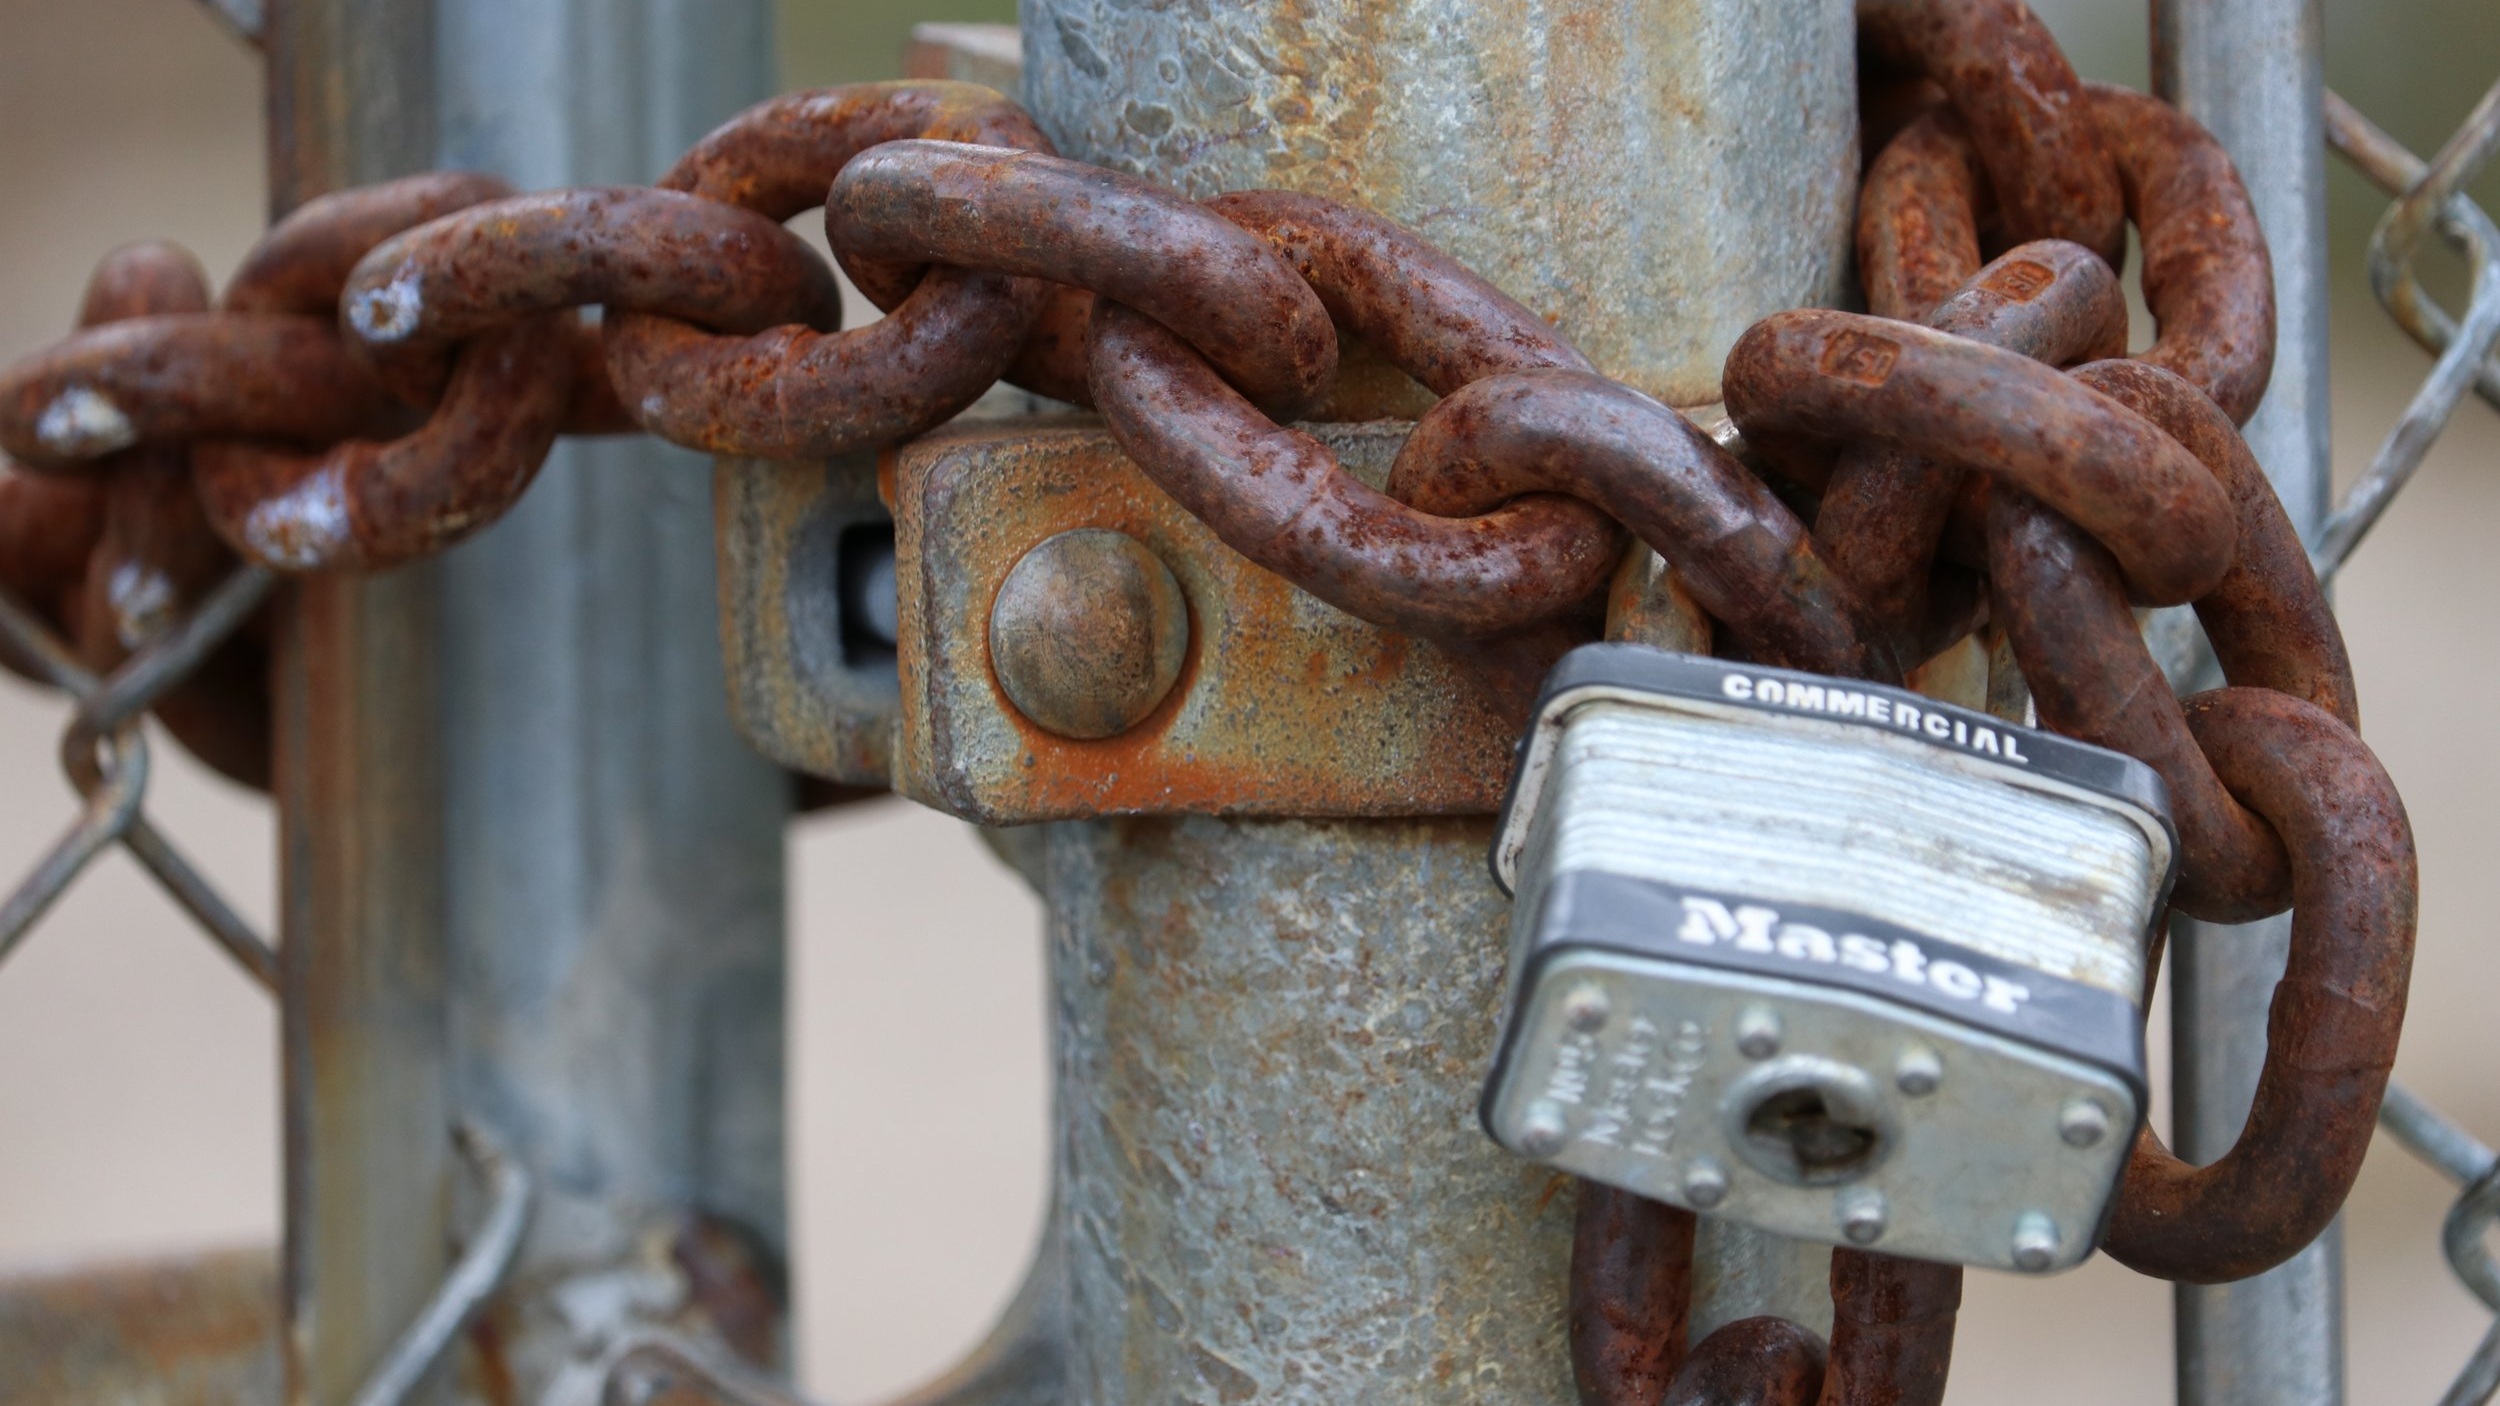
x: 1828, y: 958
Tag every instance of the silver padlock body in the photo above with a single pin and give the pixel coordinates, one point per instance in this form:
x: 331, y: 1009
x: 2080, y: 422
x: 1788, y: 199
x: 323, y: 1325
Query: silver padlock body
x: 1827, y: 958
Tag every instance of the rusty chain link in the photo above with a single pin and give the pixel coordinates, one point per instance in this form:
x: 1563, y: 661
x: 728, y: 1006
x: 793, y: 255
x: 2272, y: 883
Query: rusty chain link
x: 388, y: 370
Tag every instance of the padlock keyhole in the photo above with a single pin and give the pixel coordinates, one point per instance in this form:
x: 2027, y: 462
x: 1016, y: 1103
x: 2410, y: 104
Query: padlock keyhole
x: 1799, y: 1126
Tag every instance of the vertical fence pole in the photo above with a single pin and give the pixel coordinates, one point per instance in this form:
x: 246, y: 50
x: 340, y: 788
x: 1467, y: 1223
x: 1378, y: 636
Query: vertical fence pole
x: 530, y: 874
x: 1653, y: 178
x: 612, y: 848
x: 2249, y: 70
x: 367, y: 1160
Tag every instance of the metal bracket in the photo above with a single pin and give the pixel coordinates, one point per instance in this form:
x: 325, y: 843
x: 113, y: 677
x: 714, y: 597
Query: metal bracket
x: 1282, y: 705
x: 811, y: 685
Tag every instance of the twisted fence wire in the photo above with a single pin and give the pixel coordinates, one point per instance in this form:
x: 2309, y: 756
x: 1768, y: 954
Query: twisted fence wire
x: 104, y: 752
x: 105, y: 755
x: 2427, y: 199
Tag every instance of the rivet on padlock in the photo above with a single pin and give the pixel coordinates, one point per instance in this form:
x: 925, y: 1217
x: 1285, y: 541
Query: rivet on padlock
x: 1828, y: 958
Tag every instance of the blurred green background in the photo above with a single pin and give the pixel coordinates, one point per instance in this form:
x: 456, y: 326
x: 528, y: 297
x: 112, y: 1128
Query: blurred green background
x: 826, y: 41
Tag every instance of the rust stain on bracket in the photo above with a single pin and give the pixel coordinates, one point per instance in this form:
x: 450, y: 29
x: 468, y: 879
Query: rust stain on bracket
x: 1284, y: 705
x: 809, y: 694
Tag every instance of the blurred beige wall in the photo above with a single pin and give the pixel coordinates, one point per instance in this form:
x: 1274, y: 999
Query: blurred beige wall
x: 137, y: 1071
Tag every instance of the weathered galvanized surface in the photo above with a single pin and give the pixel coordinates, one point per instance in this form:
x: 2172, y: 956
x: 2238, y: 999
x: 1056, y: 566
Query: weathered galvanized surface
x: 1272, y: 1185
x: 360, y: 899
x: 2251, y: 71
x: 1651, y: 175
x: 1285, y: 705
x: 806, y: 692
x: 197, y: 1331
x: 613, y: 887
x: 531, y: 874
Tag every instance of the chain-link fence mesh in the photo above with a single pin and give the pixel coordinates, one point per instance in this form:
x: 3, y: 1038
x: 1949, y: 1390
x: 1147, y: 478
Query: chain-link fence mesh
x: 2427, y: 201
x: 104, y: 752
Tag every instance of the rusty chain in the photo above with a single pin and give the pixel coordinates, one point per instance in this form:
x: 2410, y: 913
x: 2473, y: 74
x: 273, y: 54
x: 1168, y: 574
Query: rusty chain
x: 1977, y: 453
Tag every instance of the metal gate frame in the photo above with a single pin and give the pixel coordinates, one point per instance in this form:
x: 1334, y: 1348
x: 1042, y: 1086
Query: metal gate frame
x: 375, y: 1065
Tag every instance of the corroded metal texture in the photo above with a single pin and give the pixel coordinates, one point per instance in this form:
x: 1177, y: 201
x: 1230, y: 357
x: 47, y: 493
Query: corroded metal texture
x: 2065, y: 612
x: 375, y: 503
x: 1978, y: 407
x: 1918, y: 218
x: 2269, y: 620
x: 1088, y: 632
x: 1278, y: 496
x: 155, y: 556
x: 794, y: 392
x: 197, y: 1331
x: 806, y: 691
x: 1885, y: 509
x: 2331, y: 1034
x: 184, y: 376
x: 1275, y: 496
x: 419, y: 292
x: 1272, y: 1184
x: 364, y: 505
x: 1413, y: 322
x: 1631, y: 1294
x: 2025, y: 110
x: 1752, y: 1362
x: 415, y: 296
x: 1740, y: 552
x: 1651, y: 178
x: 1040, y: 216
x: 2207, y: 276
x: 1285, y: 705
x: 2060, y: 600
x: 300, y: 265
x: 1892, y: 1330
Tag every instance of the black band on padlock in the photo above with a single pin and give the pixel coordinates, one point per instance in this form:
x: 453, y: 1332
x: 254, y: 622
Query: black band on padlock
x: 1800, y: 942
x: 1831, y: 958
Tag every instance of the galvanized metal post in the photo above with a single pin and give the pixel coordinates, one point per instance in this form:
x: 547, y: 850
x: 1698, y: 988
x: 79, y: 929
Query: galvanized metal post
x: 1270, y: 1033
x: 2249, y: 70
x: 368, y: 1156
x: 533, y: 875
x: 1653, y: 178
x: 612, y: 849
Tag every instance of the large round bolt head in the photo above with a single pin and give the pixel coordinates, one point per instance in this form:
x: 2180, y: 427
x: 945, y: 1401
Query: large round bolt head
x: 1088, y: 633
